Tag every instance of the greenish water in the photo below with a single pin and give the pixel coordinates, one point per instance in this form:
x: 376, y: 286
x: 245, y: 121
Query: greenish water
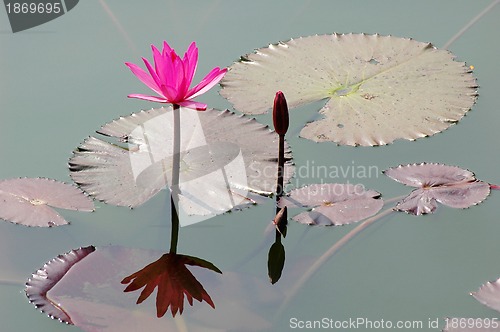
x: 61, y: 81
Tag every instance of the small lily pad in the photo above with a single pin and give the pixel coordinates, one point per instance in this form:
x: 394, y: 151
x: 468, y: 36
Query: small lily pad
x: 378, y: 88
x: 27, y: 201
x: 448, y: 185
x: 489, y: 294
x: 333, y: 203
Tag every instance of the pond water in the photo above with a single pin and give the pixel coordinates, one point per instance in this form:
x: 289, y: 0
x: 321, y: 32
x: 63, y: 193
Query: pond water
x: 62, y: 80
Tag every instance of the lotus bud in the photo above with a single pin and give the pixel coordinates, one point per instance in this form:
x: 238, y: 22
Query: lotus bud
x: 280, y: 114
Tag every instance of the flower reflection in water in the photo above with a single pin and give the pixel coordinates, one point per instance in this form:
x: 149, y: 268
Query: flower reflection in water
x: 171, y: 79
x: 173, y: 279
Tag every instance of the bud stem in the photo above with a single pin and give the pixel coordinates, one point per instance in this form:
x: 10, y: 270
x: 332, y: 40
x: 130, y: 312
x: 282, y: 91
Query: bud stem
x: 281, y: 167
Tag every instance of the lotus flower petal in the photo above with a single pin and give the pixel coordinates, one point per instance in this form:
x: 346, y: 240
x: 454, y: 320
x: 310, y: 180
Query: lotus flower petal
x: 207, y: 83
x: 150, y: 98
x: 144, y: 77
x: 171, y: 77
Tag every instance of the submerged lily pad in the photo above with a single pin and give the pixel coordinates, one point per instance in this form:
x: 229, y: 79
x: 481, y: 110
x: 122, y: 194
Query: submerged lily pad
x: 379, y: 88
x: 448, y: 185
x: 226, y: 160
x: 86, y: 291
x: 333, y: 203
x: 27, y: 201
x: 43, y: 280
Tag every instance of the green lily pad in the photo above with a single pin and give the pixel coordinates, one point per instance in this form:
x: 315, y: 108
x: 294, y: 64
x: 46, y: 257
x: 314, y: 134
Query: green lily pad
x: 379, y: 88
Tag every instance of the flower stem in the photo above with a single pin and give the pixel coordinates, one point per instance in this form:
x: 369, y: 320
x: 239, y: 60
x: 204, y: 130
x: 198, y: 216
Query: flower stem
x: 174, y: 188
x: 281, y: 169
x: 281, y: 227
x: 326, y: 256
x: 180, y: 323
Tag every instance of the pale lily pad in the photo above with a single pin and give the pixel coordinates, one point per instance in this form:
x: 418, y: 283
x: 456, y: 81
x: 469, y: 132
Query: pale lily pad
x: 489, y: 294
x: 448, y: 185
x: 27, y: 201
x: 86, y: 291
x: 226, y: 160
x: 43, y: 280
x: 379, y: 88
x: 333, y: 203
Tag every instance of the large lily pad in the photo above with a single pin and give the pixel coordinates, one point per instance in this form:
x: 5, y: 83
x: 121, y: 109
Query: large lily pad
x: 83, y: 288
x: 226, y: 160
x: 333, y: 203
x: 448, y: 185
x: 28, y: 201
x: 379, y: 88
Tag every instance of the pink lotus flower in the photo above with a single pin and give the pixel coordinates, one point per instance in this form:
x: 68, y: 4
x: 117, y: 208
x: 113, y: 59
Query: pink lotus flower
x: 172, y: 76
